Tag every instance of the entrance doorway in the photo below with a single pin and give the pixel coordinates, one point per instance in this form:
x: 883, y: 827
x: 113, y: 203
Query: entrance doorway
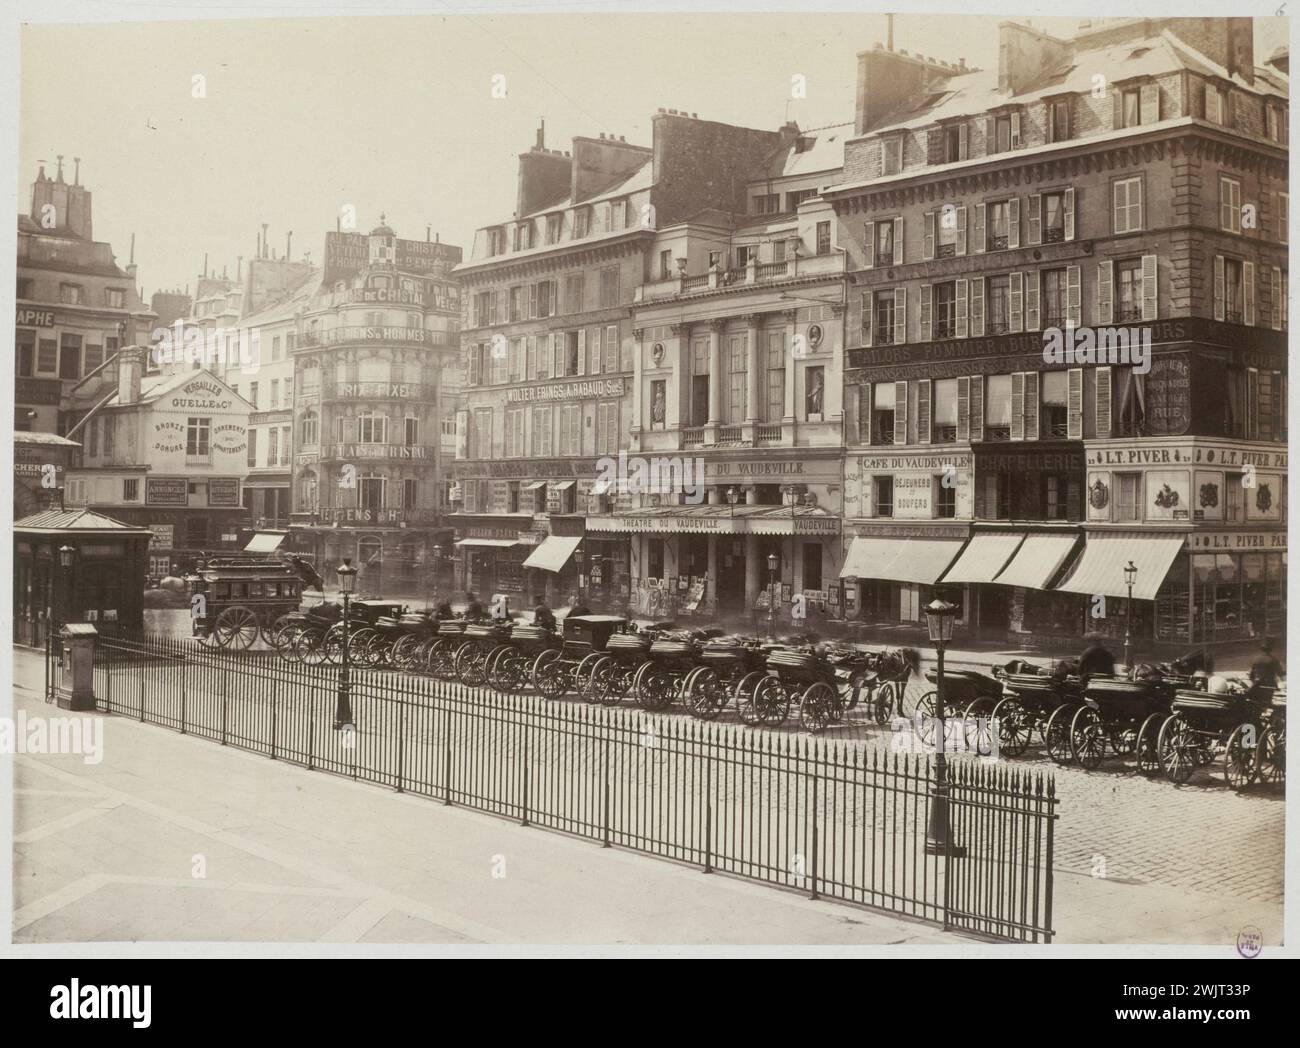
x: 731, y: 574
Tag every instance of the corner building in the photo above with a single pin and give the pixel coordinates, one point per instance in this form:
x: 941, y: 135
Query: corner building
x: 981, y: 209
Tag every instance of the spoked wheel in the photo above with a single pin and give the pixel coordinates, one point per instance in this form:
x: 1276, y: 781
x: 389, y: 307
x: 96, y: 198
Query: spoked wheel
x: 1270, y: 757
x: 885, y: 702
x: 1087, y: 737
x: 403, y: 651
x: 706, y: 693
x: 1013, y: 726
x: 307, y: 647
x: 501, y: 670
x: 744, y: 697
x: 331, y: 645
x: 439, y: 661
x: 1239, y: 756
x: 283, y: 638
x: 471, y: 665
x: 1056, y: 734
x: 549, y: 677
x: 772, y: 701
x: 925, y: 715
x: 585, y: 666
x: 359, y: 650
x: 977, y: 726
x: 817, y: 706
x: 1178, y: 748
x: 1147, y: 748
x: 1123, y: 739
x: 596, y: 682
x: 379, y: 650
x: 236, y: 628
x: 654, y: 687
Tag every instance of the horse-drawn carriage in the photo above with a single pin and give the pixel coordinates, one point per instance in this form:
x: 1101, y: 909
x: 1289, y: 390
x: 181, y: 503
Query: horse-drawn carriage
x: 236, y: 599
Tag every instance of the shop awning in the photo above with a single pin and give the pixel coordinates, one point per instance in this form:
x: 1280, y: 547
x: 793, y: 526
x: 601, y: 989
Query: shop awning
x: 553, y: 553
x: 562, y: 485
x: 266, y: 541
x: 1100, y: 568
x: 985, y: 555
x: 488, y: 543
x: 1037, y: 561
x: 601, y: 486
x: 533, y: 485
x: 899, y: 560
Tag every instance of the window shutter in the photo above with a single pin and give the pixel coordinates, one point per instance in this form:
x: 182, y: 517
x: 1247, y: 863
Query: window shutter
x: 1015, y: 130
x: 601, y: 419
x: 869, y: 246
x: 977, y: 307
x: 1105, y: 292
x: 900, y: 315
x: 865, y: 421
x: 1013, y: 225
x: 978, y: 230
x: 1117, y: 111
x: 1119, y: 205
x: 1275, y: 314
x: 1225, y: 205
x: 977, y: 407
x: 962, y: 317
x: 474, y: 365
x: 1035, y: 218
x: 1218, y: 287
x: 927, y: 242
x: 1149, y: 103
x: 1068, y: 214
x: 923, y: 411
x: 1031, y: 405
x: 1033, y: 311
x: 852, y: 398
x: 1017, y: 405
x: 961, y: 230
x: 927, y: 305
x: 963, y: 142
x: 1102, y: 400
x: 1247, y: 292
x: 900, y: 412
x: 1074, y: 404
x: 552, y: 370
x: 596, y: 362
x: 1265, y: 405
x: 1150, y: 285
x: 582, y: 351
x: 1073, y: 303
x: 963, y: 408
x: 1017, y: 304
x: 1213, y: 111
x: 934, y: 146
x: 898, y: 241
x: 866, y: 318
x: 990, y: 136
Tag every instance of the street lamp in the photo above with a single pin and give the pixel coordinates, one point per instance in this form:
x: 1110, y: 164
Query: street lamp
x: 733, y: 496
x: 771, y: 594
x: 347, y: 585
x: 51, y: 617
x: 578, y: 558
x: 1130, y: 576
x: 940, y: 617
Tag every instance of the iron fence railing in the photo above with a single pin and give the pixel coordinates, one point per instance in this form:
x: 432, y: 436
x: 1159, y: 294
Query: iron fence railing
x: 835, y: 820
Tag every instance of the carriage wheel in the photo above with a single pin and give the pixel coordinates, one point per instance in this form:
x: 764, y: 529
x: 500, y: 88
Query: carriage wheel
x: 548, y: 674
x: 1123, y: 739
x: 654, y: 688
x: 706, y: 693
x: 359, y: 645
x: 1087, y: 737
x: 1147, y: 746
x: 403, y: 648
x: 458, y: 656
x: 283, y: 640
x: 496, y: 669
x: 1270, y: 757
x: 473, y: 668
x: 379, y: 649
x: 817, y: 706
x: 887, y: 700
x: 596, y: 681
x: 237, y: 628
x: 977, y: 726
x: 1013, y: 727
x: 331, y: 645
x: 1239, y: 756
x: 585, y: 666
x: 773, y: 701
x: 744, y: 696
x: 924, y: 716
x: 1177, y: 747
x: 307, y: 647
x: 1056, y: 734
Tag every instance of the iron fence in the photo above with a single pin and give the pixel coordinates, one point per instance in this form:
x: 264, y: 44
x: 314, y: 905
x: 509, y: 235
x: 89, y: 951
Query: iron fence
x: 835, y: 820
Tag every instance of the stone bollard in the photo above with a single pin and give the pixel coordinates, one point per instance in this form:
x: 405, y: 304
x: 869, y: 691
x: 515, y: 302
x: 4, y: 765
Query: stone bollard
x: 77, y: 688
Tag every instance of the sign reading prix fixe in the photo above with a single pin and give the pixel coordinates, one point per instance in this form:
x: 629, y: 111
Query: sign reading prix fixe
x: 591, y: 389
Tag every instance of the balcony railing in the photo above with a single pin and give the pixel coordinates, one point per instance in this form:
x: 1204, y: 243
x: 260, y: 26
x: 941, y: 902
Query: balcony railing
x: 944, y: 435
x: 768, y: 270
x: 883, y: 336
x: 693, y: 438
x: 1053, y: 235
x: 997, y: 327
x: 884, y: 258
x: 997, y: 434
x: 767, y: 434
x: 754, y: 272
x: 695, y: 283
x: 946, y: 251
x: 198, y: 460
x: 729, y: 434
x: 1232, y: 316
x: 998, y: 243
x: 1054, y: 319
x: 944, y: 329
x: 1127, y: 314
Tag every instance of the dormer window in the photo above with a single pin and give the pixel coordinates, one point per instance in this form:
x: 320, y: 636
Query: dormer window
x: 1217, y: 104
x: 524, y: 236
x: 891, y: 155
x: 1002, y: 132
x: 1137, y: 103
x: 553, y: 228
x: 1058, y: 119
x: 496, y: 239
x: 581, y: 223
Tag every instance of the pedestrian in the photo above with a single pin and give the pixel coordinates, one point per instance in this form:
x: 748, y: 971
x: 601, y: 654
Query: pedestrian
x: 1266, y: 670
x: 542, y: 615
x: 1097, y: 660
x: 577, y: 606
x: 473, y: 609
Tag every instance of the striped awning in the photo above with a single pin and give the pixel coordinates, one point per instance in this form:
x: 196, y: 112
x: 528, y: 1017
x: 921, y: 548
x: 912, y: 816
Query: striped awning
x: 1037, y: 561
x: 1100, y: 568
x: 553, y: 553
x: 899, y: 560
x: 985, y: 556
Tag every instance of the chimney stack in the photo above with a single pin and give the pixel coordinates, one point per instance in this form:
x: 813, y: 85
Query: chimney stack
x: 1023, y: 54
x: 239, y: 268
x: 264, y: 240
x: 76, y: 174
x: 129, y: 367
x: 205, y: 264
x: 288, y: 246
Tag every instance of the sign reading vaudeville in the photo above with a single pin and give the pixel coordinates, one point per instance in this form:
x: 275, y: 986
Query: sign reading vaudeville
x: 166, y: 491
x: 567, y: 390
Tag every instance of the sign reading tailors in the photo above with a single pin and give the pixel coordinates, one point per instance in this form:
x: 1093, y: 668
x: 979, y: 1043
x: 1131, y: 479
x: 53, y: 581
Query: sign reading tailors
x: 165, y: 491
x: 223, y: 491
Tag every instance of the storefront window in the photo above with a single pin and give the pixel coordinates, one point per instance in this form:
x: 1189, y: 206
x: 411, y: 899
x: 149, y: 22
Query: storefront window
x: 654, y: 558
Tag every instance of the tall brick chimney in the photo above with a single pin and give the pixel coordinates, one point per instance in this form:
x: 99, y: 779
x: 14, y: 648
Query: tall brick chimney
x: 888, y: 78
x: 130, y: 365
x: 1024, y: 53
x: 599, y: 163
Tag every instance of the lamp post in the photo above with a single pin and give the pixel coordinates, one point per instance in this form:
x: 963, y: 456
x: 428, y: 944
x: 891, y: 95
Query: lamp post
x: 578, y: 558
x: 51, y: 617
x: 771, y: 595
x: 733, y: 496
x: 343, y: 709
x: 939, y: 618
x: 1130, y: 576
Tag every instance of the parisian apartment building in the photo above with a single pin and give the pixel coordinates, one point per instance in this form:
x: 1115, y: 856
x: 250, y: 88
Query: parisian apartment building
x: 1131, y: 179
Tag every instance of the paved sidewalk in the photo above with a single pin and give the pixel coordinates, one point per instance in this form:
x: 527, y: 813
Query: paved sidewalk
x: 175, y: 838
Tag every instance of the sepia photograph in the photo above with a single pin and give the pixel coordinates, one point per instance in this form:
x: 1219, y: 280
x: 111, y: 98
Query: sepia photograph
x: 585, y: 479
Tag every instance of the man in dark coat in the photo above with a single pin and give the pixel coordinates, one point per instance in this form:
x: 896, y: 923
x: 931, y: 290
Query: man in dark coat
x: 1097, y: 660
x: 473, y: 609
x: 1266, y: 669
x: 542, y: 615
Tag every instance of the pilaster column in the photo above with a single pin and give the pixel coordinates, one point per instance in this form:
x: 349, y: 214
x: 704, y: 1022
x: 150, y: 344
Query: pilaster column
x: 788, y: 417
x: 711, y: 588
x: 638, y: 390
x: 755, y: 572
x: 753, y: 381
x: 715, y: 374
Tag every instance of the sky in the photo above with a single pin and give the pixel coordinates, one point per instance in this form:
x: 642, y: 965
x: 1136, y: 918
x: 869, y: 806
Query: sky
x: 301, y: 117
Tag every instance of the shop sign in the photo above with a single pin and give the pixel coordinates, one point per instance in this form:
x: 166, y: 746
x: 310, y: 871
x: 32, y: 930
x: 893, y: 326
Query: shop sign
x: 229, y: 438
x: 378, y: 390
x: 162, y: 536
x: 377, y: 516
x: 488, y: 533
x: 223, y: 491
x: 378, y: 451
x: 166, y: 492
x: 1236, y: 540
x: 1168, y: 394
x: 202, y: 395
x: 565, y: 391
x: 37, y: 390
x: 170, y: 437
x: 393, y: 296
x: 26, y: 316
x: 525, y: 469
